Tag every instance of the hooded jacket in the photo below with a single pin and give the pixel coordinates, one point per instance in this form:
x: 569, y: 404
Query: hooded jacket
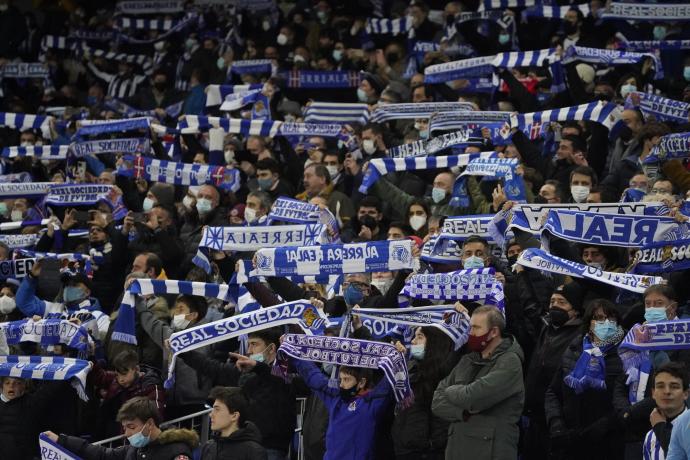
x: 482, y: 399
x: 173, y: 444
x: 243, y: 444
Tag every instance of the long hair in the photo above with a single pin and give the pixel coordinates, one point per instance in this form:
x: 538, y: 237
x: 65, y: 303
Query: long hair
x: 431, y: 368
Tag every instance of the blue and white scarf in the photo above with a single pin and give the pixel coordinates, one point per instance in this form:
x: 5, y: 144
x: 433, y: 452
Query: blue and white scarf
x: 611, y: 229
x: 53, y: 451
x: 311, y: 129
x: 503, y: 4
x: 128, y: 145
x: 445, y: 252
x: 662, y: 108
x: 144, y: 61
x: 47, y: 332
x: 412, y: 149
x: 543, y: 261
x: 256, y: 237
x: 381, y: 26
x: 669, y: 147
x: 647, y: 12
x: 84, y: 260
x: 559, y: 12
x: 459, y: 228
x: 411, y: 111
x: 47, y: 368
x: 666, y: 256
x: 460, y: 120
x: 444, y: 317
x: 359, y: 353
x: 89, y: 127
x: 216, y: 94
x: 286, y: 209
x: 455, y: 70
x: 24, y: 70
x: 312, y: 79
x: 609, y: 57
x: 632, y: 195
x: 605, y: 113
x: 123, y: 22
x: 16, y: 268
x: 513, y: 59
x: 136, y: 7
x: 381, y: 166
x: 171, y: 172
x: 116, y: 105
x: 458, y: 139
x: 513, y: 185
x: 236, y: 101
x: 335, y: 259
x: 44, y: 152
x: 469, y: 285
x: 19, y: 241
x: 24, y: 121
x: 645, y: 45
x: 252, y: 66
x: 192, y: 124
x: 25, y: 189
x: 336, y: 112
x: 6, y: 226
x: 15, y: 178
x: 590, y: 369
x: 299, y: 312
x: 80, y: 194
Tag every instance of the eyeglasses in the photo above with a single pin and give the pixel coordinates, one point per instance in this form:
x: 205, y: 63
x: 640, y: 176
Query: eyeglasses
x: 357, y: 284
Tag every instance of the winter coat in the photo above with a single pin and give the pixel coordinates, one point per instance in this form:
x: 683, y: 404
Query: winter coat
x: 191, y: 231
x: 271, y: 401
x: 243, y: 444
x: 164, y: 243
x: 173, y: 444
x: 482, y: 399
x: 352, y: 423
x: 589, y: 418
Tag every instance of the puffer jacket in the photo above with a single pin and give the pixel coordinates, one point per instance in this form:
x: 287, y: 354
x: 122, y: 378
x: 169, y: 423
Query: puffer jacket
x: 243, y: 444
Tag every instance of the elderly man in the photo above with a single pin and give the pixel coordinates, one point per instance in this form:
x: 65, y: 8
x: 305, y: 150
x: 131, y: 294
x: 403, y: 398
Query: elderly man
x: 317, y: 182
x: 208, y: 213
x: 482, y: 398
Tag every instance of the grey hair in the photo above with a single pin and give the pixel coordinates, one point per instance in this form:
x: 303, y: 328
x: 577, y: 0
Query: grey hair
x: 494, y: 317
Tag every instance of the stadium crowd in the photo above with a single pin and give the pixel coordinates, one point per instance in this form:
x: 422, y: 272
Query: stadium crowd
x: 201, y: 200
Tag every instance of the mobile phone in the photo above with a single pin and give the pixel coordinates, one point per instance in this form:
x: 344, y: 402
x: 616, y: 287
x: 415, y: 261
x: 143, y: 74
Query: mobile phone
x: 139, y: 217
x: 82, y: 218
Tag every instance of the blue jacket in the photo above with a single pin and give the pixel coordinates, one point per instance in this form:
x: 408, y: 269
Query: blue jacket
x: 352, y: 423
x: 195, y: 102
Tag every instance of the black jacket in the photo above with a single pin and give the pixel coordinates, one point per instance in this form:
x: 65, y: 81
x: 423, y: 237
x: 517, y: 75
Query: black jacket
x: 162, y: 242
x: 271, y: 401
x: 243, y: 444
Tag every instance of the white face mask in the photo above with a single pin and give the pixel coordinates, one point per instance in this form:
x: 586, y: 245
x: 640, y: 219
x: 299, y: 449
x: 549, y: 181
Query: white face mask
x: 7, y: 304
x: 417, y: 222
x: 332, y: 170
x: 188, y: 202
x: 368, y: 146
x: 282, y: 39
x: 579, y: 193
x: 159, y: 46
x: 179, y: 322
x: 249, y: 215
x: 382, y: 284
x: 16, y: 215
x: 229, y: 156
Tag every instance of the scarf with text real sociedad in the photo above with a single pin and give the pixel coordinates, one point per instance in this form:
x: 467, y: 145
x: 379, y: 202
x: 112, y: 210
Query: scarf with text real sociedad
x: 662, y: 108
x: 469, y: 285
x: 665, y: 256
x: 53, y: 451
x: 611, y: 229
x: 542, y: 260
x: 54, y: 368
x: 253, y: 238
x: 356, y: 353
x: 669, y: 147
x: 286, y: 209
x: 128, y: 145
x: 335, y: 259
x: 299, y: 312
x: 46, y: 332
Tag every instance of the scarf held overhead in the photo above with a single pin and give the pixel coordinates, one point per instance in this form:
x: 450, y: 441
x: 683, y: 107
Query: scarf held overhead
x: 47, y: 368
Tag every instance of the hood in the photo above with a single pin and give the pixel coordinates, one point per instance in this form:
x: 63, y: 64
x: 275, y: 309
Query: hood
x: 508, y: 344
x: 248, y: 432
x: 151, y: 376
x: 189, y: 437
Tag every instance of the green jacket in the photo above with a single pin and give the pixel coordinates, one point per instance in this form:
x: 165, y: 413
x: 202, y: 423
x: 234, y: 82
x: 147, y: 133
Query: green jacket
x: 482, y: 399
x: 400, y: 201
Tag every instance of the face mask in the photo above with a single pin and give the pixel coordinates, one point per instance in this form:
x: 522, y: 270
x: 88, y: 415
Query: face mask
x: 382, y: 285
x: 353, y: 296
x: 159, y: 46
x: 603, y: 96
x: 258, y: 357
x: 659, y: 32
x: 282, y: 39
x: 16, y: 215
x: 322, y: 15
x: 7, y: 304
x: 338, y: 55
x: 512, y: 260
x: 417, y: 222
x: 3, y: 208
x: 503, y: 38
x: 625, y: 133
x: 686, y: 73
x: 417, y: 352
x: 438, y: 194
x: 26, y: 144
x: 179, y: 322
x: 220, y: 63
x: 3, y: 6
x: 478, y: 342
x: 203, y: 205
x: 332, y: 171
x: 569, y: 28
x: 604, y: 330
x: 655, y: 314
x: 265, y: 184
x: 473, y: 262
x: 349, y: 393
x: 189, y: 44
x: 627, y: 89
x: 138, y: 439
x: 91, y: 100
x: 73, y: 294
x: 249, y: 215
x: 579, y: 193
x: 266, y: 25
x: 558, y: 316
x: 424, y: 134
x: 392, y: 58
x: 299, y: 58
x: 597, y: 265
x: 188, y: 201
x: 368, y: 146
x: 361, y: 95
x: 148, y: 204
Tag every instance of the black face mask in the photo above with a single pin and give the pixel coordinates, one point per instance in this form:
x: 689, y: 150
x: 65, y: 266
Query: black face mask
x: 558, y: 316
x: 349, y: 393
x: 160, y: 85
x: 603, y: 96
x: 512, y: 260
x: 569, y: 28
x: 392, y: 58
x: 540, y: 199
x: 626, y: 133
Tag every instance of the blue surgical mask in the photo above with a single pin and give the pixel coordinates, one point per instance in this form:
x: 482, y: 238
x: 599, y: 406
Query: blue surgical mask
x: 417, y: 352
x: 138, y: 439
x: 203, y: 205
x: 265, y: 184
x: 3, y: 208
x: 91, y: 101
x: 627, y: 89
x: 473, y: 262
x: 361, y: 95
x: 338, y: 55
x: 148, y: 204
x: 258, y: 357
x: 353, y: 295
x: 73, y: 294
x: 503, y: 38
x: 424, y: 134
x: 220, y: 63
x: 686, y: 73
x: 438, y: 194
x: 659, y: 32
x: 655, y: 314
x: 604, y: 330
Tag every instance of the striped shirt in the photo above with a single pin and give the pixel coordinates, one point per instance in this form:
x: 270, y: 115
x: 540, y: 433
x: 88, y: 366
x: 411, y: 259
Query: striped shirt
x: 651, y: 449
x: 118, y: 86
